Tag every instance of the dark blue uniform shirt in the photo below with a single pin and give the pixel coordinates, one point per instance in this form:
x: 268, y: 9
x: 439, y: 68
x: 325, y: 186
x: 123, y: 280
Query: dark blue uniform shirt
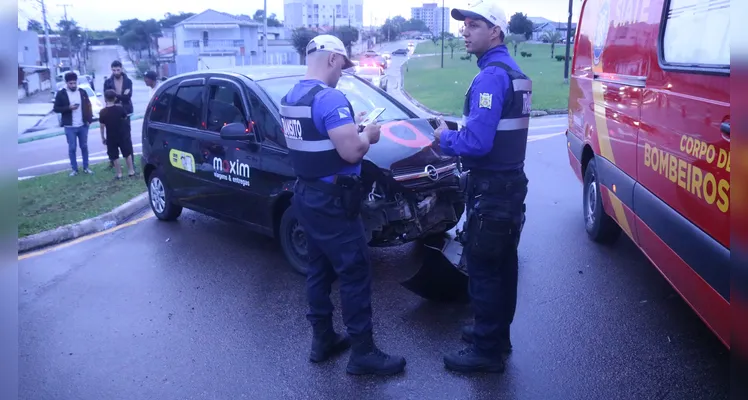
x: 475, y: 138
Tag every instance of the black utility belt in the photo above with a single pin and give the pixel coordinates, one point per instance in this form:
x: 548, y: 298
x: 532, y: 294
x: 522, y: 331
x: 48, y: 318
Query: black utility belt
x: 349, y: 188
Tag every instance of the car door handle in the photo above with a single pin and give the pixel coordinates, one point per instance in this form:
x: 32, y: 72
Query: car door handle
x: 725, y: 128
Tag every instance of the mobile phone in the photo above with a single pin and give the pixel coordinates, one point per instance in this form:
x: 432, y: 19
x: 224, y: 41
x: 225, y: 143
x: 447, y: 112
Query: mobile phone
x: 372, y: 116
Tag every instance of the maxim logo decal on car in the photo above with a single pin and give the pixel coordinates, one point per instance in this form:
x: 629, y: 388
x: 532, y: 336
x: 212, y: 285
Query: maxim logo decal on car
x: 231, y: 171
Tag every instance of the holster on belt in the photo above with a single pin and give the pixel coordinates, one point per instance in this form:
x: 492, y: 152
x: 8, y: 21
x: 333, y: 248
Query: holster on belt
x: 352, y: 193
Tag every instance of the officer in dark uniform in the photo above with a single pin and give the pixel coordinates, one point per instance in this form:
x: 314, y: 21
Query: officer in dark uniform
x: 491, y: 143
x: 326, y: 149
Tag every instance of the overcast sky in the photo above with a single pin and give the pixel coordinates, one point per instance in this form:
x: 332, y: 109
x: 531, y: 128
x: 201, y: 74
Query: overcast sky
x: 105, y: 15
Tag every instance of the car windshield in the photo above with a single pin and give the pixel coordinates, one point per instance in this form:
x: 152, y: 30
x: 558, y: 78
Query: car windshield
x: 362, y: 96
x: 368, y: 71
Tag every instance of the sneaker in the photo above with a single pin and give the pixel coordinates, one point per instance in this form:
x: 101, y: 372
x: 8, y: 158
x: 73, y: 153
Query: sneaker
x: 470, y: 359
x: 88, y: 171
x: 74, y: 173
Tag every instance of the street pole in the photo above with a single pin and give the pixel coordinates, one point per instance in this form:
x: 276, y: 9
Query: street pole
x: 48, y: 45
x: 265, y: 32
x: 568, y: 43
x: 443, y: 33
x: 70, y: 42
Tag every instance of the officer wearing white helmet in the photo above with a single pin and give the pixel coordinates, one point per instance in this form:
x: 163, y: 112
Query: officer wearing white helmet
x: 491, y: 144
x: 326, y: 149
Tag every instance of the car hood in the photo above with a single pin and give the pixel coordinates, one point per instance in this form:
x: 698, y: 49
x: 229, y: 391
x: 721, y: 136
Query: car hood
x: 404, y: 144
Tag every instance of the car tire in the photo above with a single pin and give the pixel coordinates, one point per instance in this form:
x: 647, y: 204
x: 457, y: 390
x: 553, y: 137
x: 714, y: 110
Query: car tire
x: 293, y: 241
x: 160, y: 198
x: 600, y: 227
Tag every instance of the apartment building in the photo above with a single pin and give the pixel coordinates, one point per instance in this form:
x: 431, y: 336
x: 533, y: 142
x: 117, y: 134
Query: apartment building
x: 322, y: 13
x: 434, y: 16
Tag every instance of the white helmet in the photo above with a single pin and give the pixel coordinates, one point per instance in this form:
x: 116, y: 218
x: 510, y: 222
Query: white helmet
x: 329, y: 43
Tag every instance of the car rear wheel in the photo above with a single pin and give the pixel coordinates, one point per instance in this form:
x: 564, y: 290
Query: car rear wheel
x: 293, y: 241
x: 600, y: 226
x: 160, y: 198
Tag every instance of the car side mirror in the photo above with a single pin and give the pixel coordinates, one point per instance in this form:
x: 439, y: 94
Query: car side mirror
x: 238, y: 131
x: 98, y: 94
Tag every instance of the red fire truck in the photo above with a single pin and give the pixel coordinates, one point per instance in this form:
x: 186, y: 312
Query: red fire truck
x: 649, y: 137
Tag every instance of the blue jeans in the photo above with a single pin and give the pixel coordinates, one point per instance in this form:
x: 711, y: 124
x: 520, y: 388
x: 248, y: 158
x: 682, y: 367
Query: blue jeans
x: 81, y: 134
x: 337, y: 249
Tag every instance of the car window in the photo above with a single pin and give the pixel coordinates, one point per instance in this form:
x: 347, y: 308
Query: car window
x: 186, y: 109
x: 710, y: 48
x: 362, y: 96
x: 161, y: 103
x: 265, y: 122
x: 224, y: 106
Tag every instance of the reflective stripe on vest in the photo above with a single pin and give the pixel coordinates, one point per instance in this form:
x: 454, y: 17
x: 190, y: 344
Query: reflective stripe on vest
x: 510, y: 142
x: 312, y: 154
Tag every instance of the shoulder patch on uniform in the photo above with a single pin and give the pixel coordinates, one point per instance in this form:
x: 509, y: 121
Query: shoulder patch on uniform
x: 344, y: 112
x: 485, y: 100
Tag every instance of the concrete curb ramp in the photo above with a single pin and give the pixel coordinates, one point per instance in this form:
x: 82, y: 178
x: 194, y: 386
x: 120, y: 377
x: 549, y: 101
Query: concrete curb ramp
x: 86, y: 227
x: 403, y: 67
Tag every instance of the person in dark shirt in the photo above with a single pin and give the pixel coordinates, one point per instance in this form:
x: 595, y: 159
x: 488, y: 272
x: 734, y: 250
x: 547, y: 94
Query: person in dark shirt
x: 115, y: 134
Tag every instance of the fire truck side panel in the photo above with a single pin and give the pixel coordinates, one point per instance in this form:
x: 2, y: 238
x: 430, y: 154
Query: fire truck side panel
x: 654, y: 130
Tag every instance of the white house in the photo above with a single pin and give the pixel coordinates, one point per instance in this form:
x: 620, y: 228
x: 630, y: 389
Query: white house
x: 214, y: 39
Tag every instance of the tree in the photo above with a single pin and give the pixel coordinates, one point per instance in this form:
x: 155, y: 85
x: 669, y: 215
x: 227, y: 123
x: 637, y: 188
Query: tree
x: 552, y: 37
x: 137, y: 35
x: 393, y: 27
x: 453, y: 44
x: 515, y: 40
x: 272, y: 19
x: 301, y: 38
x: 36, y: 26
x: 521, y: 25
x: 172, y: 19
x: 415, y: 25
x: 348, y: 35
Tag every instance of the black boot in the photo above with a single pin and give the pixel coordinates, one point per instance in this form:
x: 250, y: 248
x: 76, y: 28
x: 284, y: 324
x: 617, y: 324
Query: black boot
x: 326, y: 343
x: 471, y: 359
x: 367, y: 359
x: 467, y: 336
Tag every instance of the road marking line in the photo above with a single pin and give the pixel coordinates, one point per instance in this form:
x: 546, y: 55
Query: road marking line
x: 84, y: 238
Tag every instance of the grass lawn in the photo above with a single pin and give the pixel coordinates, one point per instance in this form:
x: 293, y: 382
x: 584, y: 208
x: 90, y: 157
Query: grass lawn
x: 50, y: 201
x: 444, y: 89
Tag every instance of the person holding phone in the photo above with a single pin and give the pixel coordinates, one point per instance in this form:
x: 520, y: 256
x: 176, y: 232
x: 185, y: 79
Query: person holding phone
x: 76, y: 116
x: 491, y: 144
x: 326, y: 148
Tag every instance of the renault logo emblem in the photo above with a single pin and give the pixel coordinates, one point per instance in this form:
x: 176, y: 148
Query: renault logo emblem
x: 432, y: 172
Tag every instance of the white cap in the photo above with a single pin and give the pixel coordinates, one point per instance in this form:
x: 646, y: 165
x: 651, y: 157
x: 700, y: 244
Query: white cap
x: 329, y: 43
x: 483, y: 9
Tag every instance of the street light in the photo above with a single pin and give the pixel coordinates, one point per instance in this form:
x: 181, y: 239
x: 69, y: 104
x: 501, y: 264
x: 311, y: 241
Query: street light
x: 568, y: 43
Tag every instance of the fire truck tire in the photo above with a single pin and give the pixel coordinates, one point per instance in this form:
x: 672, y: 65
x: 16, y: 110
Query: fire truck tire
x: 601, y: 228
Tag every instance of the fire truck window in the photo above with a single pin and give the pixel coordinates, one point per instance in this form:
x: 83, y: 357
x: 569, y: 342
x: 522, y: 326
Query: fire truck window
x: 711, y: 46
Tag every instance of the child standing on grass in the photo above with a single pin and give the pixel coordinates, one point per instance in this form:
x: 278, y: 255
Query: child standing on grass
x: 114, y: 133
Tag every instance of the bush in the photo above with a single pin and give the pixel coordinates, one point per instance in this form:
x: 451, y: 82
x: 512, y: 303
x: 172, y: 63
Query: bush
x: 523, y: 53
x: 529, y: 54
x: 561, y: 58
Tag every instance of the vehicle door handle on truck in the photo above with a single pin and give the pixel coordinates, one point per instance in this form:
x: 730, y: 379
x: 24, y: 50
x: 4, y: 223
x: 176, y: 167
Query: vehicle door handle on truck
x: 725, y: 128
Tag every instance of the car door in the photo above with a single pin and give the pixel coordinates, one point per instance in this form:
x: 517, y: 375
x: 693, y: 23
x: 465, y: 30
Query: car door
x: 184, y: 142
x: 277, y: 173
x: 234, y: 164
x: 684, y: 142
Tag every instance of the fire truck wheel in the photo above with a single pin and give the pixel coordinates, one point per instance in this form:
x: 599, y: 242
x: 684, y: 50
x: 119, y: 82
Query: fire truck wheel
x: 600, y: 226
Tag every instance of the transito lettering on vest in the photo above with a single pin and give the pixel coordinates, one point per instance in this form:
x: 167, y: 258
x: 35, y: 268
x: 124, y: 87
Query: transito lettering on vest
x: 526, y: 103
x: 291, y: 128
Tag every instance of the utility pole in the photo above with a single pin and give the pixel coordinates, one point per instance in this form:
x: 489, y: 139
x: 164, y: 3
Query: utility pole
x: 443, y: 33
x: 265, y: 32
x: 568, y: 43
x: 52, y: 70
x: 70, y: 42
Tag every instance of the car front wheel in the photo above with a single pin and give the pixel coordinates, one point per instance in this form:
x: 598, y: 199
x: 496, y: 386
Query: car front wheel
x: 160, y: 198
x: 600, y: 226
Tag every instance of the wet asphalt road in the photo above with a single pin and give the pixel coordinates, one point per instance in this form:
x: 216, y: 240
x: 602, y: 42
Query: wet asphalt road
x: 202, y: 309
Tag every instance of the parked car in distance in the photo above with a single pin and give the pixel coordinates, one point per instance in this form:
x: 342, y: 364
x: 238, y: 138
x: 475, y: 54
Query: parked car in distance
x: 400, y: 52
x: 213, y: 142
x: 375, y: 75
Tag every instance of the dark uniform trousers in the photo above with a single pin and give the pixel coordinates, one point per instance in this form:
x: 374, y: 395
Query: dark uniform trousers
x: 495, y: 207
x: 337, y: 248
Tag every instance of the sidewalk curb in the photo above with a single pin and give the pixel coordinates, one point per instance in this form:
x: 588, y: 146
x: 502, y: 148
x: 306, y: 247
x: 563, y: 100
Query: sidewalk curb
x: 401, y: 87
x: 55, y: 133
x: 86, y: 227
